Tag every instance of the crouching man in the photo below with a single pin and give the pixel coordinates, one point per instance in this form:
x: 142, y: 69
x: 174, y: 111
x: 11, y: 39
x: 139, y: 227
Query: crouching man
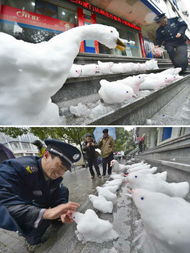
x: 31, y: 193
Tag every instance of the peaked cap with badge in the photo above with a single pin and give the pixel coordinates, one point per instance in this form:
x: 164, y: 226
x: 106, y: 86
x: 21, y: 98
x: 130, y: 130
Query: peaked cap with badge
x: 67, y: 152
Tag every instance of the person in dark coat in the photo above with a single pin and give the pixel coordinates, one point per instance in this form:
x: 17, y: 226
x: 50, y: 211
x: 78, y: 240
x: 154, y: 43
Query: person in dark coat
x: 5, y: 153
x: 89, y: 146
x: 171, y: 33
x: 31, y: 193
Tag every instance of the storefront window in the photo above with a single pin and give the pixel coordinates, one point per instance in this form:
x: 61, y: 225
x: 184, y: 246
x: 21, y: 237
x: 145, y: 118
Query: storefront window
x: 28, y: 5
x: 130, y: 37
x: 67, y: 15
x: 46, y: 9
x: 35, y: 20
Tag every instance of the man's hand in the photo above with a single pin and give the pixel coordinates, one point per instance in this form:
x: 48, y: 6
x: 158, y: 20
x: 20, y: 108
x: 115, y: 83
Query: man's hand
x: 67, y: 217
x: 56, y: 212
x: 178, y: 35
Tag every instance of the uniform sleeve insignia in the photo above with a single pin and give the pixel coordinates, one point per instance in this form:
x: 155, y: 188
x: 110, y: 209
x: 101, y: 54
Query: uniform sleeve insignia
x: 28, y: 169
x: 31, y: 169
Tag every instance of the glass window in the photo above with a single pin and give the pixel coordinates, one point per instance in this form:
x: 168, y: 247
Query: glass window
x: 46, y: 9
x: 38, y: 21
x: 167, y: 133
x: 15, y: 145
x: 130, y: 37
x: 67, y: 15
x: 26, y: 146
x: 28, y: 5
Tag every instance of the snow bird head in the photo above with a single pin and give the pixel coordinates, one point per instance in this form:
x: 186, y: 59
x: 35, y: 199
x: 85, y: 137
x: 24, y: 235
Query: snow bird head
x: 113, y: 162
x: 133, y: 177
x: 139, y: 197
x: 92, y: 197
x: 77, y: 216
x: 107, y: 35
x: 146, y: 201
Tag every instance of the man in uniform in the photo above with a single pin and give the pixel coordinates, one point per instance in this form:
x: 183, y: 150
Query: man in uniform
x: 171, y: 33
x: 106, y: 145
x: 31, y: 193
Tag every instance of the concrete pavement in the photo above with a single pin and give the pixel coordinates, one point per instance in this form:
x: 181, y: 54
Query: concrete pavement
x: 63, y: 240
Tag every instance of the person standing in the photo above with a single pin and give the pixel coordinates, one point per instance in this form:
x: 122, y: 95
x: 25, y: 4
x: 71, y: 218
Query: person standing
x: 171, y: 33
x: 106, y: 145
x: 89, y: 146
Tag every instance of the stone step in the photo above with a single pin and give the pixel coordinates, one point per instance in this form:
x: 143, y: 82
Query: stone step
x: 85, y: 90
x: 85, y: 86
x: 138, y: 111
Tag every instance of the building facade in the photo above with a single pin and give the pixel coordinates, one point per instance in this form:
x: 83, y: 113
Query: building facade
x: 168, y: 148
x: 156, y: 136
x: 39, y: 20
x: 20, y: 146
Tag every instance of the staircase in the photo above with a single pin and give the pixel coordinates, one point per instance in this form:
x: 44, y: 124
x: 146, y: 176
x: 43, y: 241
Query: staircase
x: 140, y: 111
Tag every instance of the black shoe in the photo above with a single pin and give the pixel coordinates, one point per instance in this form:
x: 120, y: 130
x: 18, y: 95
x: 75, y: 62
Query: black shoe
x: 183, y: 72
x: 31, y: 248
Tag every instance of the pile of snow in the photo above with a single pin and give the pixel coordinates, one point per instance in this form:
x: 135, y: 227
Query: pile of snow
x: 100, y: 203
x: 32, y: 73
x: 125, y: 91
x: 157, y: 184
x: 166, y: 222
x: 103, y: 68
x: 90, y: 228
x: 165, y: 216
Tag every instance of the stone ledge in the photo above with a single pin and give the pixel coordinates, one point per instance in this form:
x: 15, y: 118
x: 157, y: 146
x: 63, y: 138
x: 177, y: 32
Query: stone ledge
x: 136, y: 113
x: 180, y: 166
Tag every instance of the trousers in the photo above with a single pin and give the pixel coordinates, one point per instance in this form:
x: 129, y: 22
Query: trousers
x: 106, y: 161
x: 91, y: 162
x: 178, y: 54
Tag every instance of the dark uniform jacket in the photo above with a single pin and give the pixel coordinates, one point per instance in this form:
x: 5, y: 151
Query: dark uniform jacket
x: 167, y: 33
x: 5, y: 153
x: 23, y: 186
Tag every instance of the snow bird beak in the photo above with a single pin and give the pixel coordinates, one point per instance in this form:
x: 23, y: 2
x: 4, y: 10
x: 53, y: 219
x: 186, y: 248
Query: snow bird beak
x: 120, y: 45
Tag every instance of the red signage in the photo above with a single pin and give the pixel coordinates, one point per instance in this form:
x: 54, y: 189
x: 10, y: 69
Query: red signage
x: 105, y: 13
x: 30, y: 18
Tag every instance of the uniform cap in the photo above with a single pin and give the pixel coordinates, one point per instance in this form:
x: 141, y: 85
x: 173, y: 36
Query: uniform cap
x: 159, y: 17
x: 67, y: 152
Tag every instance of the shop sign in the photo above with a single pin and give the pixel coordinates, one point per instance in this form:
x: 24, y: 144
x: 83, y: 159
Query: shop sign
x: 105, y: 13
x: 30, y: 18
